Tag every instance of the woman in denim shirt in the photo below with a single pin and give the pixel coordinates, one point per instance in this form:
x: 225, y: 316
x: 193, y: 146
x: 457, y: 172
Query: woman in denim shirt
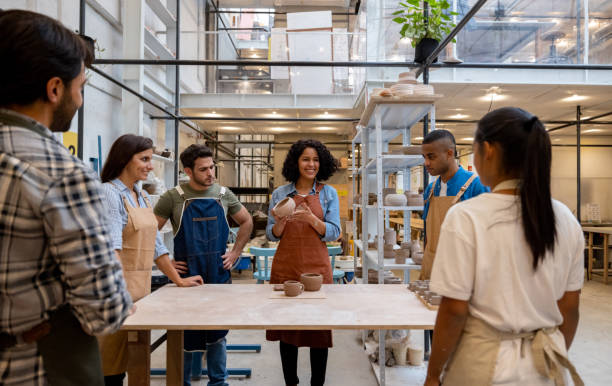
x: 302, y: 246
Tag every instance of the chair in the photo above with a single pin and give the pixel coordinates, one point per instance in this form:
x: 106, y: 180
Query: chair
x: 337, y: 274
x: 262, y: 269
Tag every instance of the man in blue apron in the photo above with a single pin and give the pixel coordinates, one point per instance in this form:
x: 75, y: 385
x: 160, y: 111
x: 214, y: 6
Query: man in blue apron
x: 197, y: 211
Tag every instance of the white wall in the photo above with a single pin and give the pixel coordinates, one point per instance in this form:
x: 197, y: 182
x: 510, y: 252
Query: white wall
x: 596, y: 178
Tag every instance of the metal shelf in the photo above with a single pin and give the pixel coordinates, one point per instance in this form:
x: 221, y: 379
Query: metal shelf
x: 372, y: 256
x: 162, y: 159
x: 395, y: 162
x: 387, y: 207
x: 397, y: 113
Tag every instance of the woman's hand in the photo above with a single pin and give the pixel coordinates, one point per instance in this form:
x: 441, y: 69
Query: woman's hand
x: 191, y: 281
x: 303, y: 213
x: 279, y: 224
x: 180, y: 266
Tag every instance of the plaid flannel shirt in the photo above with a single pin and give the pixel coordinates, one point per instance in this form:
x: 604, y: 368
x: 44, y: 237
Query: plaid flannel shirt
x: 55, y: 245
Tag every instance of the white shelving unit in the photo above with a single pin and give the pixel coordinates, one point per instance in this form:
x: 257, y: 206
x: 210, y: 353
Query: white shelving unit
x: 383, y: 120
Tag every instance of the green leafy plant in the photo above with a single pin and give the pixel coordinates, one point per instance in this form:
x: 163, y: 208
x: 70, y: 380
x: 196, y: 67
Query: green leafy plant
x: 416, y: 27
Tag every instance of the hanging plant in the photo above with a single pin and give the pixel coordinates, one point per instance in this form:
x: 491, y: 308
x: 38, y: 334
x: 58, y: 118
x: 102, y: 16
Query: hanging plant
x: 416, y: 27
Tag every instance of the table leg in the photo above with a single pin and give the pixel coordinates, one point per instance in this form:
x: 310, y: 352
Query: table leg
x: 139, y: 358
x: 605, y: 246
x: 590, y: 257
x: 382, y: 334
x: 174, y: 358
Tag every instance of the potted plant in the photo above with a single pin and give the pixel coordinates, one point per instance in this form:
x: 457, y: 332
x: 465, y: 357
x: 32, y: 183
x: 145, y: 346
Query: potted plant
x: 425, y: 34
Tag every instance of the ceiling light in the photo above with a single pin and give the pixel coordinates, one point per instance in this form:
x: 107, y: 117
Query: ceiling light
x: 470, y: 139
x: 593, y: 24
x: 279, y: 129
x: 592, y: 131
x: 493, y: 94
x: 575, y: 98
x: 252, y: 49
x: 556, y: 139
x: 326, y: 113
x: 273, y: 112
x: 459, y: 116
x: 229, y: 128
x: 325, y: 128
x: 418, y: 138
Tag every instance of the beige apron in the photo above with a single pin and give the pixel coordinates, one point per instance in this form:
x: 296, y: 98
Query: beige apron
x: 438, y: 207
x: 473, y: 362
x: 136, y: 255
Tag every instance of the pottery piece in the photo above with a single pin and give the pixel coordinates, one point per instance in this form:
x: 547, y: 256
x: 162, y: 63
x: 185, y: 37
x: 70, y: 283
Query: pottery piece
x: 406, y: 244
x: 393, y: 280
x: 416, y: 248
x: 435, y: 300
x: 412, y: 150
x: 279, y: 287
x: 390, y: 236
x: 285, y: 207
x: 293, y: 288
x: 408, y: 76
x: 395, y: 200
x: 415, y: 201
x: 311, y: 281
x: 359, y: 272
x: 415, y: 356
x: 400, y: 258
x: 417, y: 257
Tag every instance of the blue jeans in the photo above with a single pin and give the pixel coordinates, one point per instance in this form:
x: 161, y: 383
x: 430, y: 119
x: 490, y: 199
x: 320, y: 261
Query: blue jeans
x: 216, y: 357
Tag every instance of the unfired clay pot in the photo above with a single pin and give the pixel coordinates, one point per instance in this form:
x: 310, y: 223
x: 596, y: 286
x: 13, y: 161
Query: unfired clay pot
x: 415, y: 356
x: 312, y: 281
x: 399, y: 257
x: 417, y: 257
x: 390, y: 236
x: 395, y: 200
x: 285, y: 207
x: 293, y: 288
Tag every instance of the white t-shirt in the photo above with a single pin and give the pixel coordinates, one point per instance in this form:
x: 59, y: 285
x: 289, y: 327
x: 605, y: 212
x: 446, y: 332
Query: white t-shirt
x: 483, y: 257
x: 443, y: 189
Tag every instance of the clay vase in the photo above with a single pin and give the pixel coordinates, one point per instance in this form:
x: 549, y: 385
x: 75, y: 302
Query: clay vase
x: 416, y: 248
x: 415, y: 356
x: 293, y: 288
x: 311, y: 281
x: 400, y: 258
x: 285, y: 207
x: 395, y: 200
x: 417, y: 257
x: 390, y: 236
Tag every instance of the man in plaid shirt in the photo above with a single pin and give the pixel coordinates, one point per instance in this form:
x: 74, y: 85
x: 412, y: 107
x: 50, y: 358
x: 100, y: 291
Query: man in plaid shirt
x: 60, y: 282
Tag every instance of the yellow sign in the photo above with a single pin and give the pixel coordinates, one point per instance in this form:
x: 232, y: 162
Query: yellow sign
x: 71, y: 141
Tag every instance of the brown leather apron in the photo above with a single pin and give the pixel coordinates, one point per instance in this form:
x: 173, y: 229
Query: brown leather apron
x: 438, y: 207
x: 473, y: 362
x: 136, y: 255
x: 301, y: 251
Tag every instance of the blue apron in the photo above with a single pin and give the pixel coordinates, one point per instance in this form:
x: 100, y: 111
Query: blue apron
x: 200, y: 241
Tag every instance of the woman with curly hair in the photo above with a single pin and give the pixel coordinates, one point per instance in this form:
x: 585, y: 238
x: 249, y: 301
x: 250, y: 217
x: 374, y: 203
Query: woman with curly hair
x: 302, y: 246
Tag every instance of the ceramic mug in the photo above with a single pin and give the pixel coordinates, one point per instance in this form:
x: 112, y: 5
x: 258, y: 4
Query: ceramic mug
x: 293, y: 288
x: 311, y: 281
x: 285, y: 207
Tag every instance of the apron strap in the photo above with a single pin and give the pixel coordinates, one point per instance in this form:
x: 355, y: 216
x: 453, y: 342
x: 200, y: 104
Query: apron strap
x: 180, y: 190
x: 318, y: 187
x: 433, y: 186
x: 549, y: 360
x: 464, y: 188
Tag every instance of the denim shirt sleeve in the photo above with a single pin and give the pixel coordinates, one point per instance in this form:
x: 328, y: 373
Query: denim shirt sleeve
x: 116, y: 214
x: 160, y: 247
x: 276, y: 197
x: 331, y: 213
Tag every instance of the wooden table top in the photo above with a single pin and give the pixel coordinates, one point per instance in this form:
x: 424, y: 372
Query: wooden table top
x: 248, y: 306
x: 607, y: 230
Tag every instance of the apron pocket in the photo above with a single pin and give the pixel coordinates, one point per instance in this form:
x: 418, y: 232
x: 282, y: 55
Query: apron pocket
x: 205, y: 229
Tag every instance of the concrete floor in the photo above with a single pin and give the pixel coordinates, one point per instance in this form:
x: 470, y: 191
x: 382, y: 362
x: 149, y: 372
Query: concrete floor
x: 591, y: 352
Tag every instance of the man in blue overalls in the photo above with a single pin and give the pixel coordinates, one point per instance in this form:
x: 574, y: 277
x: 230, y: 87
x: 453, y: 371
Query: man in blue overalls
x: 197, y: 211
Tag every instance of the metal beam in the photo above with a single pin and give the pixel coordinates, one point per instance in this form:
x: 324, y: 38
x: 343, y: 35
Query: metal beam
x: 177, y: 92
x: 198, y: 118
x: 81, y: 117
x: 285, y: 63
x: 206, y: 135
x: 590, y: 120
x: 468, y: 16
x: 578, y: 123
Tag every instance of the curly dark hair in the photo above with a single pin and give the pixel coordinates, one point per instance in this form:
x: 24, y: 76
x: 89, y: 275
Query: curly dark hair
x: 328, y: 165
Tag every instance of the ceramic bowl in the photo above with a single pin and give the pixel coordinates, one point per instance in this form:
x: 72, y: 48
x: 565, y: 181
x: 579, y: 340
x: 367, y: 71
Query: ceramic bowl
x: 311, y: 281
x: 285, y: 207
x: 395, y: 200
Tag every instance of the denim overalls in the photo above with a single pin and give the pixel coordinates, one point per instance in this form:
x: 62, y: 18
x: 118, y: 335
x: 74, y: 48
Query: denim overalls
x: 201, y: 241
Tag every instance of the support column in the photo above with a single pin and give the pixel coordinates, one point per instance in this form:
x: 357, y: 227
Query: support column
x: 578, y: 124
x: 133, y: 47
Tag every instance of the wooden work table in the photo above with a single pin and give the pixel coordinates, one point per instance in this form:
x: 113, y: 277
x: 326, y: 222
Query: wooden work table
x: 248, y: 306
x: 606, y: 231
